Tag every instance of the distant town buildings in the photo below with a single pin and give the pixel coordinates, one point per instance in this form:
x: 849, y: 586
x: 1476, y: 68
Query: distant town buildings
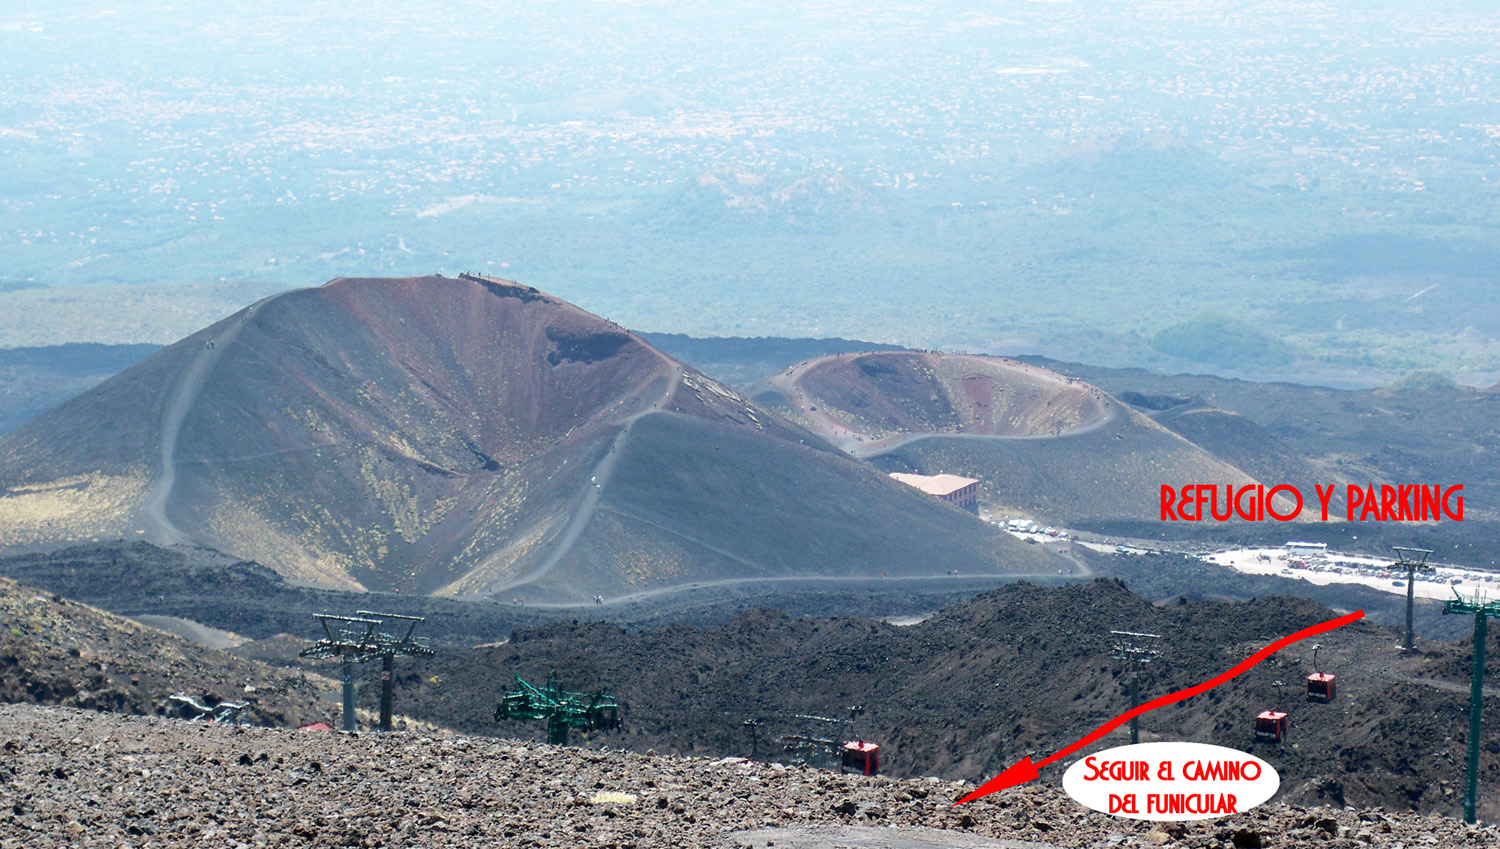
x: 954, y: 489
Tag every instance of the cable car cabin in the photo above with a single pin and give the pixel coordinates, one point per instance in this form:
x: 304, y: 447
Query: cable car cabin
x: 862, y: 757
x: 1321, y: 687
x: 1270, y: 725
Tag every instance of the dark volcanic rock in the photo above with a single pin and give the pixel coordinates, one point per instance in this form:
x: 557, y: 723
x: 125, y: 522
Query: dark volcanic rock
x: 1022, y: 670
x: 58, y: 652
x: 78, y: 779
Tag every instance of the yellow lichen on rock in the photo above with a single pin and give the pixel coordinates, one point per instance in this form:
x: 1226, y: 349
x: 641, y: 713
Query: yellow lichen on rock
x: 242, y: 529
x: 399, y: 499
x: 499, y: 564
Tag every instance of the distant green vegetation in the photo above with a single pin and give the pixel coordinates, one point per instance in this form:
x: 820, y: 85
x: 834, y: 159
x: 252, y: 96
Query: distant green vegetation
x: 1423, y: 379
x: 1222, y: 340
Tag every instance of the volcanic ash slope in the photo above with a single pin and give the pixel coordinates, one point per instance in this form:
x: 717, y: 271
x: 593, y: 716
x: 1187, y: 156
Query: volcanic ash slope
x: 1038, y: 442
x: 468, y: 437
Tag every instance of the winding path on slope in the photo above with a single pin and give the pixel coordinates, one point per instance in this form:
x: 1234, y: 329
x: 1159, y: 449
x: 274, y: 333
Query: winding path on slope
x: 673, y: 589
x: 855, y: 443
x: 583, y: 511
x: 788, y: 385
x: 874, y: 449
x: 786, y: 382
x: 1063, y: 550
x: 184, y: 394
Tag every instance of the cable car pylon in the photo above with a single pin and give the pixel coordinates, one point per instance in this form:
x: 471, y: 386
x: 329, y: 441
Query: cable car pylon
x: 1413, y: 560
x: 1136, y: 650
x: 1482, y: 611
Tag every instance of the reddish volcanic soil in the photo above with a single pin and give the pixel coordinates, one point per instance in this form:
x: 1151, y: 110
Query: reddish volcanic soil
x: 1039, y: 443
x: 469, y: 437
x: 869, y: 402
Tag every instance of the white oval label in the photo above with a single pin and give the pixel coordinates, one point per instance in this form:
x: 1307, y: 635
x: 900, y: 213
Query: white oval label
x: 1171, y: 781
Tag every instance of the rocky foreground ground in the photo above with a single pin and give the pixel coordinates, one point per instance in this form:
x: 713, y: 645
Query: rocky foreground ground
x: 77, y: 778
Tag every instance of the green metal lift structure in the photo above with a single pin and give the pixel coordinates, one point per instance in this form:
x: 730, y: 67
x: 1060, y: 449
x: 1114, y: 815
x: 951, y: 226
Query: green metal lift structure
x: 597, y: 711
x: 1482, y: 611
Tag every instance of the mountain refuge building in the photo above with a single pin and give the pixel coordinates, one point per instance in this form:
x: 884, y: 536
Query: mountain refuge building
x: 954, y: 489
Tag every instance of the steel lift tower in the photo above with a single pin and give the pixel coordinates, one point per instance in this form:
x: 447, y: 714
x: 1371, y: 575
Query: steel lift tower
x: 1482, y: 611
x: 753, y: 723
x: 1136, y: 650
x: 356, y: 639
x: 349, y: 638
x: 1413, y: 560
x: 387, y: 647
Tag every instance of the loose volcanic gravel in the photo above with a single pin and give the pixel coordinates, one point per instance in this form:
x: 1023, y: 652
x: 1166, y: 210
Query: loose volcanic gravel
x: 56, y: 651
x: 75, y: 778
x: 1019, y: 670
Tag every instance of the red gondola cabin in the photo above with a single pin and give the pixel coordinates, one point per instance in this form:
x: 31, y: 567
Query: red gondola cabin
x: 1270, y: 725
x: 1321, y: 687
x: 862, y: 757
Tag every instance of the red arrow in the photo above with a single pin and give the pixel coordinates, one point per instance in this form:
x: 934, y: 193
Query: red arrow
x: 1025, y: 770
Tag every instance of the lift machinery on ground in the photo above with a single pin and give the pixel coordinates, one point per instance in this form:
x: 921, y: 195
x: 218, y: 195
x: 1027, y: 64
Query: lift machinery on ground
x: 822, y: 749
x: 230, y: 712
x: 597, y: 711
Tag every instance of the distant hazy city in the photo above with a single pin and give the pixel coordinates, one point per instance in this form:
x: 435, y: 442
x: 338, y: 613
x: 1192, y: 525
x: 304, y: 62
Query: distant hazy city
x: 1089, y: 180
